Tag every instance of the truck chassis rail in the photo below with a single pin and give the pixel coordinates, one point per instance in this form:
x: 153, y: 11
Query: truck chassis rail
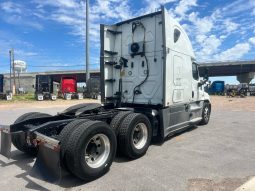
x: 43, y: 134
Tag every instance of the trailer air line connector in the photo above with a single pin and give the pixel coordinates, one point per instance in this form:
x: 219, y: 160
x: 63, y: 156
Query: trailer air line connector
x: 135, y: 51
x: 122, y: 63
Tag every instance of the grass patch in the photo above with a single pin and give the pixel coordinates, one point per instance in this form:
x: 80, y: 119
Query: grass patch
x: 21, y: 98
x: 24, y: 97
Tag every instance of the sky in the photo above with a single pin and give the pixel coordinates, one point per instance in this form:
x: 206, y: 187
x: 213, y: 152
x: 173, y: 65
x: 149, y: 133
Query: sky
x: 50, y: 34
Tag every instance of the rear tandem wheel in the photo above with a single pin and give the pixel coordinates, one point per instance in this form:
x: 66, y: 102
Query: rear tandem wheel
x: 64, y: 136
x: 19, y: 140
x: 90, y: 150
x: 134, y: 135
x: 117, y: 120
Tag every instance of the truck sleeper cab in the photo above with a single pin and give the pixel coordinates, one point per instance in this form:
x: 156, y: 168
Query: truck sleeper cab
x: 150, y: 88
x: 148, y: 62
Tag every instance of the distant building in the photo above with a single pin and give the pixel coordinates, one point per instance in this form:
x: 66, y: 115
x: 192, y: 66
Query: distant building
x: 27, y: 80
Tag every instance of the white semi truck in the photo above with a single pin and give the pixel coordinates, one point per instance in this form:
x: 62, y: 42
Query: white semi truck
x: 150, y: 88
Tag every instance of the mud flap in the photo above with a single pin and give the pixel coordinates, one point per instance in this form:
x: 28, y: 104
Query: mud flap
x: 47, y: 165
x: 6, y: 142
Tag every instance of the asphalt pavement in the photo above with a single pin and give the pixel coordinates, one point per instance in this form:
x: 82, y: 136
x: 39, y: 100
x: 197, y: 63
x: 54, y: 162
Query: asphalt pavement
x: 218, y: 156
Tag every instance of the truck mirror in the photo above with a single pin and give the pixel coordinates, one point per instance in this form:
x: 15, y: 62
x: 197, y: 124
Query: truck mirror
x: 202, y: 82
x: 33, y: 86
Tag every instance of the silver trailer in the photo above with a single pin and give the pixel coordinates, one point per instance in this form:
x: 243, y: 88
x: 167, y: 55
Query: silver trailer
x: 150, y: 88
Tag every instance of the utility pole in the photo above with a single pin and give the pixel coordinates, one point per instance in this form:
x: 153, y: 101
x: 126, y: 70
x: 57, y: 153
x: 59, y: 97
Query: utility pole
x: 10, y: 53
x: 87, y: 41
x: 13, y: 71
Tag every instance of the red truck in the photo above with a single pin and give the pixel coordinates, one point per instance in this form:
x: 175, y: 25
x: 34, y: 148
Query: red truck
x: 68, y: 88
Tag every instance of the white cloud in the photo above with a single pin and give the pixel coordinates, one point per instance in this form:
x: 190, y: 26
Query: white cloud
x: 184, y: 6
x: 208, y: 46
x: 253, y: 12
x: 238, y: 6
x: 223, y: 37
x: 57, y: 3
x: 234, y: 53
x: 72, y: 13
x: 18, y: 14
x: 25, y: 54
x: 10, y: 7
x: 66, y: 3
x: 202, y: 25
x: 230, y: 26
x: 252, y: 40
x: 200, y: 38
x: 20, y: 21
x: 112, y: 9
x: 208, y: 31
x: 66, y: 19
x: 152, y: 5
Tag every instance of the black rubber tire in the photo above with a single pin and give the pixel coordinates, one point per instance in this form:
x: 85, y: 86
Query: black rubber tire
x: 19, y: 141
x: 232, y: 93
x: 205, y: 120
x: 125, y: 142
x: 64, y: 136
x: 243, y: 93
x: 75, y: 151
x: 24, y: 117
x: 116, y: 121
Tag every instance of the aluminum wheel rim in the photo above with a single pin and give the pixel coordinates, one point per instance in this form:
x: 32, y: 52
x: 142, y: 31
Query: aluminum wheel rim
x: 206, y: 113
x: 140, y: 135
x: 97, y: 150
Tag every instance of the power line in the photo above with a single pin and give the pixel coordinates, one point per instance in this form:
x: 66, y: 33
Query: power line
x: 53, y: 66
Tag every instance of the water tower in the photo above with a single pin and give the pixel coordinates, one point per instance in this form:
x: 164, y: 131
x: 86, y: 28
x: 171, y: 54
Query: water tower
x: 19, y: 66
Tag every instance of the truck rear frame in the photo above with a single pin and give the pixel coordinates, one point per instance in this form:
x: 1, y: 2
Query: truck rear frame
x: 83, y: 139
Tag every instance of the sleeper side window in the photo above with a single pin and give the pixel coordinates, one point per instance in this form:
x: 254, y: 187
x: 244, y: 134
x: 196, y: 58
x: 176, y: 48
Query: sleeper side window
x: 177, y: 35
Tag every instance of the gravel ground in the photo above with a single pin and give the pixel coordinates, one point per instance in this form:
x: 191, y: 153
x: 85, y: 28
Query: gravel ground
x: 219, y: 156
x: 233, y: 104
x: 5, y: 105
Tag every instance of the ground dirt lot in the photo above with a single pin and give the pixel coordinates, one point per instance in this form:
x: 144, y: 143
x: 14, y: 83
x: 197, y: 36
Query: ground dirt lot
x: 216, y: 157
